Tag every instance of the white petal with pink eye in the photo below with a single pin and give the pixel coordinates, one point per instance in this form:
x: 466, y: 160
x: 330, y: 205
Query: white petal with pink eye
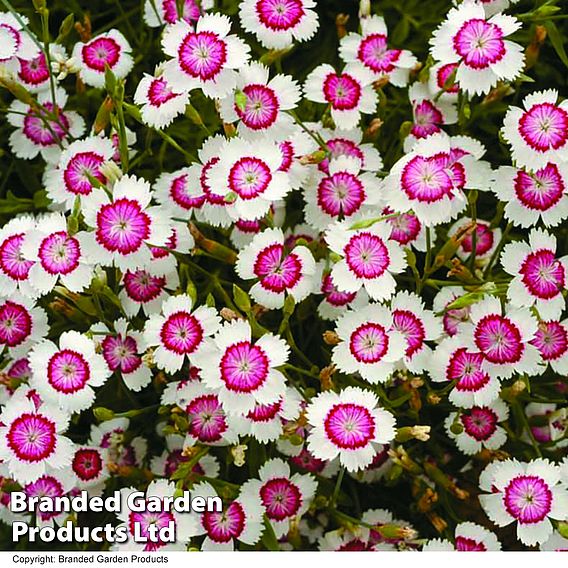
x: 277, y: 23
x: 109, y: 49
x: 539, y: 133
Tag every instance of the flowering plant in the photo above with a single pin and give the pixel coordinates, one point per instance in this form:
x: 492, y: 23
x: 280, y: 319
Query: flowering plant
x: 309, y: 258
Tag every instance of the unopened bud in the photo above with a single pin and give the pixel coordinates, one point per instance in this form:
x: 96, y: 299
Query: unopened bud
x: 238, y: 453
x: 331, y: 338
x: 229, y: 315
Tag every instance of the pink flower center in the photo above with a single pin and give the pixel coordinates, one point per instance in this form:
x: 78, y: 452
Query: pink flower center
x: 265, y: 412
x: 159, y: 92
x: 551, y: 339
x: 479, y: 43
x: 42, y: 134
x: 45, y: 486
x: 145, y: 520
x: 87, y: 464
x: 480, y: 423
x: 367, y: 255
x: 281, y: 498
x: 426, y: 179
x: 528, y: 499
x: 426, y: 119
x: 369, y: 343
x: 453, y: 318
x: 464, y: 544
x: 190, y: 11
x: 244, y: 367
x: 341, y: 147
x: 405, y: 228
x: 411, y: 326
x: 249, y: 178
x: 142, y: 287
x: 374, y: 53
x: 32, y: 437
x: 465, y: 367
x: 342, y: 92
x: 182, y: 194
x: 100, y: 52
x: 224, y: 526
x: 349, y: 426
x: 206, y: 418
x: 333, y: 295
x: 261, y: 107
x: 15, y: 324
x: 544, y: 127
x: 484, y: 240
x: 121, y: 353
x: 59, y: 253
x: 341, y: 194
x: 443, y: 76
x: 543, y: 274
x: 122, y: 226
x: 34, y: 71
x: 499, y: 339
x: 540, y: 190
x: 202, y: 55
x: 181, y: 333
x: 280, y: 15
x: 277, y: 272
x: 68, y: 371
x: 80, y: 170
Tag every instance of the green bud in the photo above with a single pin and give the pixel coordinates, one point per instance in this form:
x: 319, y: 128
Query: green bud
x: 103, y: 414
x: 241, y: 100
x: 65, y: 28
x: 242, y: 300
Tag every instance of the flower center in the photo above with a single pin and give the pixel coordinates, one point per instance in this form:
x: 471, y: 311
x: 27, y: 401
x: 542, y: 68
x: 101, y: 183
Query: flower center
x: 349, y: 426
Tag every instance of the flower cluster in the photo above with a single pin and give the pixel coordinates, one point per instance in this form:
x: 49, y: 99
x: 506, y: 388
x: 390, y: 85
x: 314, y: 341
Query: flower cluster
x: 330, y: 291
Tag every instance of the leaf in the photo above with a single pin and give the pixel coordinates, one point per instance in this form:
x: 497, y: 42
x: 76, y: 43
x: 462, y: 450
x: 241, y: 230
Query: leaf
x: 269, y: 538
x: 557, y: 41
x: 241, y: 298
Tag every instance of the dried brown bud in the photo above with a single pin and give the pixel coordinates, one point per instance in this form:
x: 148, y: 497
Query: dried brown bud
x: 331, y: 338
x: 340, y: 23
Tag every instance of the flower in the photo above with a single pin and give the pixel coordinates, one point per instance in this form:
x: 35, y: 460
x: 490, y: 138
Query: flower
x: 469, y: 537
x: 208, y: 422
x: 369, y: 344
x: 109, y: 50
x: 480, y: 427
x: 551, y: 339
x: 369, y: 259
x: 285, y: 497
x: 15, y: 39
x: 452, y: 318
x: 431, y: 178
x: 247, y: 175
x: 538, y: 276
x: 259, y: 104
x: 538, y: 134
x: 160, y: 104
x: 279, y: 272
x: 370, y: 49
x: 34, y: 71
x: 429, y: 114
x: 66, y: 375
x: 417, y: 325
x: 55, y: 484
x: 486, y: 239
x: 31, y: 439
x: 124, y: 224
x: 242, y: 372
x: 529, y: 494
x: 122, y: 352
x: 240, y: 520
x: 22, y: 324
x: 478, y: 45
x: 179, y: 331
x: 37, y: 129
x: 531, y: 196
x: 344, y: 192
x: 278, y: 23
x: 79, y: 164
x: 503, y: 338
x: 349, y: 93
x: 160, y: 12
x: 183, y: 523
x: 56, y: 255
x: 349, y: 425
x: 89, y: 465
x: 206, y: 57
x: 14, y: 268
x: 459, y: 359
x: 179, y: 192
